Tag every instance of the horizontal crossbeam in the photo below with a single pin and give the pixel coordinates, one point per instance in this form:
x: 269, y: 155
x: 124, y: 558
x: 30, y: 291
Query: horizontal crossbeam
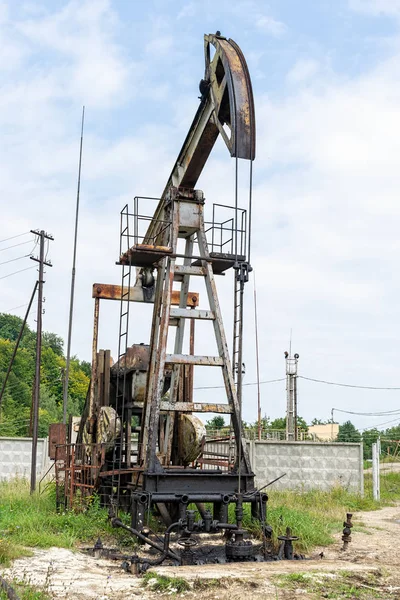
x: 199, y: 407
x: 188, y: 270
x: 189, y: 359
x: 184, y: 313
x: 107, y: 291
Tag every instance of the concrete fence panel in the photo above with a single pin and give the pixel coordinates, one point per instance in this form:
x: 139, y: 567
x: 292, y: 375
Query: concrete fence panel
x: 308, y: 465
x: 16, y: 454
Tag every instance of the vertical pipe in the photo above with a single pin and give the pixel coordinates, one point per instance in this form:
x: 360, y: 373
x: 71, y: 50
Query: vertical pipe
x: 191, y: 367
x: 37, y: 366
x: 295, y: 405
x: 240, y: 377
x: 94, y: 360
x: 378, y: 478
x: 375, y: 473
x: 257, y: 362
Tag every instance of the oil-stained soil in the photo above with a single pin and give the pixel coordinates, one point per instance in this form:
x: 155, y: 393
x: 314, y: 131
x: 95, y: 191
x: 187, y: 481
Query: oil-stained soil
x: 370, y: 568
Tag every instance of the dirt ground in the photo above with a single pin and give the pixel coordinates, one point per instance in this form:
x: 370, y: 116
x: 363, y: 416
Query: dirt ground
x: 373, y: 555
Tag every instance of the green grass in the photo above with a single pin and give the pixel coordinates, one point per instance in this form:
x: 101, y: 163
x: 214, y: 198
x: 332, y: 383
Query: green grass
x: 25, y: 591
x: 336, y: 586
x: 314, y: 516
x: 163, y: 583
x: 33, y: 521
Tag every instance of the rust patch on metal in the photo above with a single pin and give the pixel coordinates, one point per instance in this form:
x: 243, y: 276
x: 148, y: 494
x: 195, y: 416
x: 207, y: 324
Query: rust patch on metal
x: 108, y: 291
x: 57, y: 437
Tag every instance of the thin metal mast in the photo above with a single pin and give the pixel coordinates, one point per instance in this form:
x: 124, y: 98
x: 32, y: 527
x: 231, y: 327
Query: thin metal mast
x: 71, y: 302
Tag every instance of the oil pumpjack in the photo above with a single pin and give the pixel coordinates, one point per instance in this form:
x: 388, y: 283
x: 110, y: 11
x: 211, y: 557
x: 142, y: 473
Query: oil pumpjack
x: 141, y: 432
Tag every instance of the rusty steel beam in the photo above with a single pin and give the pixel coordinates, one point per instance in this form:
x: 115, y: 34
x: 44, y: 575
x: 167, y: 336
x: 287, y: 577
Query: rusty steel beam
x: 199, y: 407
x: 108, y: 291
x: 93, y: 377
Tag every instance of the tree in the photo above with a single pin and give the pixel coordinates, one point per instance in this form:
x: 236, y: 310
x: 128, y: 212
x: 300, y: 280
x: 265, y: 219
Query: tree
x: 348, y: 433
x: 17, y: 399
x: 86, y: 367
x: 216, y: 422
x: 10, y: 326
x: 280, y: 423
x: 53, y: 341
x: 369, y: 438
x: 320, y: 422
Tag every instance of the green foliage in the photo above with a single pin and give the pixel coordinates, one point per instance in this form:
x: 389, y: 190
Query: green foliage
x: 335, y: 586
x: 280, y: 423
x: 33, y: 521
x: 348, y: 433
x: 163, y: 583
x: 320, y: 422
x: 25, y: 591
x: 216, y: 422
x: 17, y: 399
x: 53, y: 341
x: 368, y: 439
x: 85, y: 367
x: 10, y: 327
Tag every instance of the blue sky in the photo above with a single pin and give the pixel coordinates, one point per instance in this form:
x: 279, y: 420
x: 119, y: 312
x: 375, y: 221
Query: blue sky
x: 326, y: 177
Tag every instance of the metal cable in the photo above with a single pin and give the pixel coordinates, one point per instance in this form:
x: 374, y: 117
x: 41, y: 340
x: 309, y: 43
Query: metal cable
x: 214, y: 387
x: 15, y: 307
x: 15, y: 246
x: 361, y: 387
x: 364, y: 414
x: 14, y: 236
x: 15, y: 272
x: 14, y: 259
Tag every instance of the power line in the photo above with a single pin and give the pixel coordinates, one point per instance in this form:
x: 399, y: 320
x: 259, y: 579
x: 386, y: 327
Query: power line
x: 15, y: 307
x: 380, y: 424
x: 15, y: 272
x: 14, y: 236
x: 348, y: 385
x: 214, y: 387
x: 13, y: 259
x: 15, y: 246
x: 363, y: 414
x: 43, y: 381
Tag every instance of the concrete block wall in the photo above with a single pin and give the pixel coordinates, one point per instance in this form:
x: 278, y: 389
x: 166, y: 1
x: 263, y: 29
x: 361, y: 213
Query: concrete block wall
x: 308, y: 465
x: 15, y: 457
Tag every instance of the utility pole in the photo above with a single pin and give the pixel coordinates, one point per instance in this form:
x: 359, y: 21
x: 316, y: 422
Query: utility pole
x: 291, y: 397
x: 35, y: 408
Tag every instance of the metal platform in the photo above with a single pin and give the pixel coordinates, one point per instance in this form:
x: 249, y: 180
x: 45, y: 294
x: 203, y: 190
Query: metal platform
x: 220, y: 261
x: 144, y: 255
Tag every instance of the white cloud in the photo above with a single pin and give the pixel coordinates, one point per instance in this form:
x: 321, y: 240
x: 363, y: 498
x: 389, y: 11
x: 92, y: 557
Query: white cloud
x: 187, y: 11
x: 302, y: 71
x: 376, y: 7
x: 326, y: 210
x: 82, y: 34
x: 270, y: 25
